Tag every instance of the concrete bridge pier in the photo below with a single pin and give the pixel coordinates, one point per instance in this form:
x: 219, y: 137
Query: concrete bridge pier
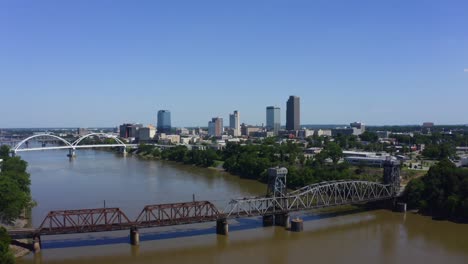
x: 36, y: 244
x: 134, y: 236
x: 400, y: 207
x: 282, y: 219
x: 71, y: 153
x: 222, y: 227
x: 123, y: 150
x: 297, y: 225
x: 268, y: 220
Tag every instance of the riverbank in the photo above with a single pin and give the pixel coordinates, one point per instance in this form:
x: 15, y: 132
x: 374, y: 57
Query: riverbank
x: 15, y: 249
x: 217, y: 166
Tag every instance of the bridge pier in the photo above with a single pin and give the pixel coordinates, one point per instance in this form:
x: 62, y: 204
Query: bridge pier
x: 36, y: 244
x: 400, y: 207
x: 134, y: 236
x: 268, y: 220
x: 222, y: 227
x: 71, y: 153
x: 282, y: 220
x: 297, y: 225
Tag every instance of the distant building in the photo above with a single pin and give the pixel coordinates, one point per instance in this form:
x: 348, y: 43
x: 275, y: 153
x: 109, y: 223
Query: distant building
x: 324, y: 132
x: 182, y: 131
x: 366, y: 158
x: 174, y: 139
x: 293, y: 115
x: 427, y: 127
x: 146, y: 133
x: 82, y: 131
x: 376, y: 161
x: 215, y: 127
x: 273, y: 119
x: 248, y: 130
x: 164, y: 121
x: 129, y: 130
x: 383, y: 134
x: 261, y: 134
x: 344, y: 131
x: 234, y: 123
x: 358, y: 128
x: 305, y: 133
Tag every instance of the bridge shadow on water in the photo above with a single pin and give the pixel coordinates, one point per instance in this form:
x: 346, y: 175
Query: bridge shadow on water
x: 122, y: 237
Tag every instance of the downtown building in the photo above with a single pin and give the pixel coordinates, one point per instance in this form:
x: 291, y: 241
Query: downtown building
x: 164, y: 121
x: 215, y: 127
x: 293, y: 115
x: 129, y: 130
x: 273, y: 119
x: 234, y: 124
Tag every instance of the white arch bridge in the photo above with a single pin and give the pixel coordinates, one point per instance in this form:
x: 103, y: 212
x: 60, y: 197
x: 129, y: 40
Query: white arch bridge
x: 72, y: 146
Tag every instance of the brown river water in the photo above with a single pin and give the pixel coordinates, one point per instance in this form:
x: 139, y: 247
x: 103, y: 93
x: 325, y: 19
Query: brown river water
x: 98, y: 177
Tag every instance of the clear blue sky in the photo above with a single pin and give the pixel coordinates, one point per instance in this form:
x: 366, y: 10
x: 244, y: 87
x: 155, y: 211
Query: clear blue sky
x: 102, y: 63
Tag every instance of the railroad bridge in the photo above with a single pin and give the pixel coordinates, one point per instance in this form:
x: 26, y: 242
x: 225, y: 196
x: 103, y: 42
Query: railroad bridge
x: 274, y: 207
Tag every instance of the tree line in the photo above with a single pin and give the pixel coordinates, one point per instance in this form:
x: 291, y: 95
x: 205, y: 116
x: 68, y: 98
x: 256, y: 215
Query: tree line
x: 442, y: 192
x: 251, y: 161
x: 15, y: 196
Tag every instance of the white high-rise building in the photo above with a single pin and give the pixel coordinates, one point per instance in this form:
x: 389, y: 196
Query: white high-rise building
x: 234, y: 123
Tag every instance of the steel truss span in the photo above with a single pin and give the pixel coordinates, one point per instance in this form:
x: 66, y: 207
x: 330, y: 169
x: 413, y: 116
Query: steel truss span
x: 85, y: 220
x: 176, y: 214
x: 324, y: 194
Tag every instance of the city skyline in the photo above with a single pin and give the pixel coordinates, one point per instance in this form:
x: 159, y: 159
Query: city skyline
x: 80, y: 64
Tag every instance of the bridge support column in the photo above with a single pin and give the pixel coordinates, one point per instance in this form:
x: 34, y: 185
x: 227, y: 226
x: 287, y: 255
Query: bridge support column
x: 297, y: 225
x: 222, y: 227
x: 124, y: 151
x: 268, y: 220
x: 134, y: 236
x: 282, y: 220
x: 71, y: 154
x: 400, y: 207
x: 36, y: 244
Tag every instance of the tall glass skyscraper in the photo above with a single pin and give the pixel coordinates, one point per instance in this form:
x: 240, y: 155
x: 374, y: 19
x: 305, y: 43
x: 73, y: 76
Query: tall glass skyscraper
x: 164, y: 121
x: 273, y: 120
x: 293, y: 118
x: 234, y: 123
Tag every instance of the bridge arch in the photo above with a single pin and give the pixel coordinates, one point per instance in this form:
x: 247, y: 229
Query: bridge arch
x: 41, y: 135
x: 76, y: 142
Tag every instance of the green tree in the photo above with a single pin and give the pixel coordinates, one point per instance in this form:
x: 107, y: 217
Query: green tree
x: 442, y: 192
x: 4, y: 152
x: 12, y: 200
x: 6, y: 257
x: 369, y: 136
x: 15, y: 169
x: 333, y: 151
x: 414, y: 193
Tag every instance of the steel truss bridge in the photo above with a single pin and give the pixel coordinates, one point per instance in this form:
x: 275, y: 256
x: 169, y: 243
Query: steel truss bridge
x: 274, y: 208
x: 325, y: 194
x: 71, y: 146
